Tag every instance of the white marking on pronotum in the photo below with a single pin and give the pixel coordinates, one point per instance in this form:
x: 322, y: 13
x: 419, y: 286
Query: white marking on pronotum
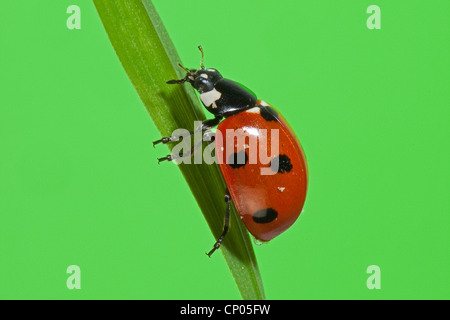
x: 254, y: 110
x: 264, y: 104
x: 209, y: 98
x: 204, y: 75
x: 281, y: 188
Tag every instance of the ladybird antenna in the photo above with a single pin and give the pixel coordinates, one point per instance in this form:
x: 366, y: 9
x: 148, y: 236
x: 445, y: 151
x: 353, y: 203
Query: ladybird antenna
x: 203, y: 57
x: 185, y: 69
x: 189, y: 72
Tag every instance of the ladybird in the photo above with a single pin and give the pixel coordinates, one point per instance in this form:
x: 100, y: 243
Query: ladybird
x: 268, y: 195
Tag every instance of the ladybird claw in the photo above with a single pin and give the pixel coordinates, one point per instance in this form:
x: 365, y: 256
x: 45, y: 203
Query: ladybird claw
x: 163, y: 140
x: 211, y: 252
x: 166, y: 158
x: 215, y: 247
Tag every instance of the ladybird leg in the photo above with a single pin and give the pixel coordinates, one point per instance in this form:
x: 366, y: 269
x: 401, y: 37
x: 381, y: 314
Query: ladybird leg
x: 165, y: 140
x: 190, y: 153
x: 207, y: 137
x: 226, y: 224
x: 207, y: 124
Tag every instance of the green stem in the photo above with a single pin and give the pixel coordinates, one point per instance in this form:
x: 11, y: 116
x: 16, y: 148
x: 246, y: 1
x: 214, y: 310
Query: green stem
x: 149, y: 58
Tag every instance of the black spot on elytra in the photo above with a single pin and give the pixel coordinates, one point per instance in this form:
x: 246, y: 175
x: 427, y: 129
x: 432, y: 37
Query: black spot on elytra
x: 268, y: 114
x: 238, y: 159
x: 265, y: 215
x: 281, y: 164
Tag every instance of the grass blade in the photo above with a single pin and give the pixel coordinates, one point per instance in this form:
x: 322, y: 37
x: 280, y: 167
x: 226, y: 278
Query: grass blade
x: 150, y: 59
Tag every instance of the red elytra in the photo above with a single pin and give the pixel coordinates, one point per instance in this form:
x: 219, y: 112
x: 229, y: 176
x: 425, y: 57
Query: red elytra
x: 268, y: 204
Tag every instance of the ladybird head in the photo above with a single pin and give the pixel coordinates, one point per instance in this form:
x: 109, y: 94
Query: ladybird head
x: 203, y: 80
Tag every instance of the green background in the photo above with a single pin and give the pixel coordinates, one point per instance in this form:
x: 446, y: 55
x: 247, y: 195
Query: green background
x: 79, y: 181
